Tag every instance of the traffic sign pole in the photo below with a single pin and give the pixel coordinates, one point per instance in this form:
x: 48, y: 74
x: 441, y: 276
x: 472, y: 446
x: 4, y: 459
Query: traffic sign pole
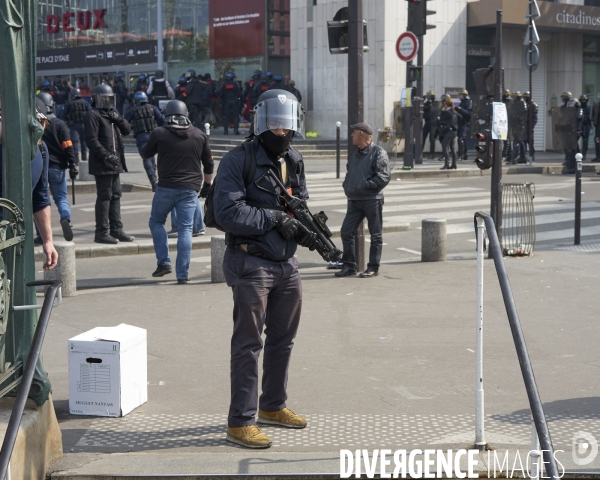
x: 407, y: 47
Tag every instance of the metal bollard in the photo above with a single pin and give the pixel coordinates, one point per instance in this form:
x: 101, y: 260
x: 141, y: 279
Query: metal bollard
x: 433, y: 240
x: 217, y: 253
x: 65, y: 270
x: 480, y: 442
x: 337, y: 149
x: 578, y: 158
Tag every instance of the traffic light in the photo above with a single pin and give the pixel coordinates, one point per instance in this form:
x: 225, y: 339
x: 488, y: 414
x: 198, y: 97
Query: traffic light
x: 337, y: 32
x: 416, y: 73
x: 485, y: 149
x: 417, y: 17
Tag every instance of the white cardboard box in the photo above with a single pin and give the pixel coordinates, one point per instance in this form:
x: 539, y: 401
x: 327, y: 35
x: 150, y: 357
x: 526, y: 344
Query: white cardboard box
x: 108, y: 374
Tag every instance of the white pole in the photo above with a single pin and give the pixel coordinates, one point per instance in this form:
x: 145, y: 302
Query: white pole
x: 159, y: 35
x: 535, y: 453
x: 479, y: 404
x: 207, y: 128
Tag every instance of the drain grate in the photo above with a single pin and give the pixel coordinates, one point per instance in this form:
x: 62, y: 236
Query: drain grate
x: 140, y: 432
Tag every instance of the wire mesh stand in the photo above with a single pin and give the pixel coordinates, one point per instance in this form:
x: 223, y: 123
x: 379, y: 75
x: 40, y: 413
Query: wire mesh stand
x: 386, y: 139
x: 517, y: 232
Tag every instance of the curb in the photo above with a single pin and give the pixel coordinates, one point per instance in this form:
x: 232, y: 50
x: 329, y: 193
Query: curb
x: 83, y: 187
x: 471, y: 172
x: 146, y: 246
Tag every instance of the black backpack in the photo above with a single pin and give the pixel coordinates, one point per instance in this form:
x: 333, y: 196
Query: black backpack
x: 249, y: 171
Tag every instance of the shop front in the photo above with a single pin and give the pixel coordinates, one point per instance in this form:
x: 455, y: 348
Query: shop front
x: 569, y: 52
x: 97, y: 39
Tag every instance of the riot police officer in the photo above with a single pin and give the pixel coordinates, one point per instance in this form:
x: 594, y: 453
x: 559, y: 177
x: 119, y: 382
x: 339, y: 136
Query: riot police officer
x: 586, y: 123
x: 120, y: 91
x: 74, y: 114
x: 159, y: 88
x: 144, y: 118
x: 260, y: 267
x: 180, y: 89
x: 261, y: 87
x: 463, y: 112
x: 430, y: 126
x: 506, y: 149
x: 569, y: 102
x: 142, y: 84
x: 230, y: 98
x: 277, y: 83
x: 291, y: 87
x: 534, y: 106
x: 518, y: 146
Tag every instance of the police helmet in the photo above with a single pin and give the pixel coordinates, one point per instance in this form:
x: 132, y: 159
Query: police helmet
x: 517, y: 94
x: 142, y: 78
x: 140, y: 98
x: 176, y: 113
x: 278, y: 78
x: 527, y: 94
x: 507, y: 93
x: 566, y: 95
x: 159, y: 74
x: 431, y: 95
x: 103, y: 97
x: 229, y: 76
x: 75, y: 93
x: 269, y: 75
x: 207, y: 76
x: 190, y: 73
x: 256, y: 75
x: 278, y: 109
x: 181, y: 80
x: 119, y: 76
x: 464, y: 91
x: 583, y: 99
x: 46, y: 85
x: 48, y: 101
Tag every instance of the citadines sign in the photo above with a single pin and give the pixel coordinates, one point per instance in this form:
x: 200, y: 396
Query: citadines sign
x: 553, y: 15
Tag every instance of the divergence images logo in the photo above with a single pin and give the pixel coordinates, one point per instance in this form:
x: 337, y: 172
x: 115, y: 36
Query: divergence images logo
x: 584, y: 448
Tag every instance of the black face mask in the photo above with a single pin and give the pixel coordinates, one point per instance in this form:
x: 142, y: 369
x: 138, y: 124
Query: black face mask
x: 275, y: 145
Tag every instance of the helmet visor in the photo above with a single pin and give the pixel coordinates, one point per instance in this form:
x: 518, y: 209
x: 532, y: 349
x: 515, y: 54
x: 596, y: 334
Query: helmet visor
x: 279, y: 112
x: 103, y: 101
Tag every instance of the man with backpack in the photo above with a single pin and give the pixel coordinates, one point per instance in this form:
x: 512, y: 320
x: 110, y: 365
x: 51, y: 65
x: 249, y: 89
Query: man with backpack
x: 259, y: 264
x: 183, y: 153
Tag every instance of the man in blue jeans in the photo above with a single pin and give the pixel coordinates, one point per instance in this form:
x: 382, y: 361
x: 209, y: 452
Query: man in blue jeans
x: 62, y: 157
x: 183, y: 153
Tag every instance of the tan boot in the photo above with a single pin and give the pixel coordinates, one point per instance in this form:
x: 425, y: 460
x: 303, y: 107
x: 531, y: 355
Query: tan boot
x: 249, y: 436
x: 285, y: 418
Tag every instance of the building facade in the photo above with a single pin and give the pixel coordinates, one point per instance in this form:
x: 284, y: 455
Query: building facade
x: 462, y: 42
x: 95, y: 39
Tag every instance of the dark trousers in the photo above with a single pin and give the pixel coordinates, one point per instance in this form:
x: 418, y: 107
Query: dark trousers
x: 78, y: 138
x: 429, y: 131
x: 357, y: 211
x: 265, y: 294
x: 448, y: 143
x: 231, y: 107
x: 518, y: 150
x: 108, y: 204
x: 141, y: 139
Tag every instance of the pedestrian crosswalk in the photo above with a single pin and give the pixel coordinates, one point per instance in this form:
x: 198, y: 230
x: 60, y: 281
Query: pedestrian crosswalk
x: 412, y: 201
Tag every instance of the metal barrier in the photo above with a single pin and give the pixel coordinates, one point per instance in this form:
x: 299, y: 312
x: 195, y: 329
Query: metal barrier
x: 517, y: 231
x: 12, y: 430
x: 535, y: 403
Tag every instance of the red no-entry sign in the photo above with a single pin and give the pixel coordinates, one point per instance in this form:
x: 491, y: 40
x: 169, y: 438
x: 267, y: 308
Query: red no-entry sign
x: 407, y: 46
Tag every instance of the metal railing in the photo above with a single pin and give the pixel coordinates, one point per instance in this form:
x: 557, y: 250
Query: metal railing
x: 32, y: 358
x: 535, y: 403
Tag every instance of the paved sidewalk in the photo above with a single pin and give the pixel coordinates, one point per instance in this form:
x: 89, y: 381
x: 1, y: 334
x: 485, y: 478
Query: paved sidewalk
x: 378, y: 363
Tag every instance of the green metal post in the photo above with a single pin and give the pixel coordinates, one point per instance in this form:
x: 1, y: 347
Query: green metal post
x: 18, y: 23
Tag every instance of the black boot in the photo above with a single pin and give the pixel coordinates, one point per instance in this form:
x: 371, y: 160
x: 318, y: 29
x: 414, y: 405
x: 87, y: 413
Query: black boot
x: 445, y: 167
x: 453, y: 166
x: 104, y: 238
x: 121, y: 236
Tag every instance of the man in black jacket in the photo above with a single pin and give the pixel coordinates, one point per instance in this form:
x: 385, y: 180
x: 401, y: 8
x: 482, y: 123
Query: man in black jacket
x: 61, y: 156
x: 260, y: 267
x: 183, y: 151
x: 103, y: 129
x: 368, y: 172
x: 230, y: 97
x: 74, y: 114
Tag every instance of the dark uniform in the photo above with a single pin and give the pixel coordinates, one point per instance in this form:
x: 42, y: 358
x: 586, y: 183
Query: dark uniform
x: 464, y: 118
x: 586, y: 123
x: 144, y: 118
x: 261, y: 269
x: 518, y: 146
x: 74, y: 114
x: 230, y: 98
x: 534, y: 106
x: 430, y: 123
x: 180, y: 90
x: 569, y: 102
x: 121, y: 93
x: 291, y: 87
x: 447, y: 128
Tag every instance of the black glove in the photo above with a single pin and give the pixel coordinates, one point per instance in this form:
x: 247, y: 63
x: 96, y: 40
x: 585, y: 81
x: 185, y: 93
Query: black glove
x: 286, y: 225
x: 204, y: 190
x: 73, y: 172
x: 306, y: 238
x: 113, y: 115
x: 113, y: 159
